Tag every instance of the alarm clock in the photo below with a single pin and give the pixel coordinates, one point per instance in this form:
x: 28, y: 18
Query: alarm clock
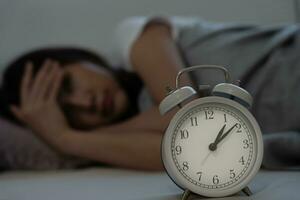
x: 213, y: 145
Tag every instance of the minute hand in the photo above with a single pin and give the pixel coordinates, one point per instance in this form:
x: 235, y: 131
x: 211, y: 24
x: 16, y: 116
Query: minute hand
x: 225, y: 134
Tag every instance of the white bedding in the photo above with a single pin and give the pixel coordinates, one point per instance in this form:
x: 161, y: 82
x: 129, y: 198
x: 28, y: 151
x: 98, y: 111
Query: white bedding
x: 114, y: 184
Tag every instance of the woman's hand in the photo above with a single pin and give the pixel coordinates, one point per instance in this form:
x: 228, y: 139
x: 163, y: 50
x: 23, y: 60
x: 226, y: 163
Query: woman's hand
x: 38, y: 107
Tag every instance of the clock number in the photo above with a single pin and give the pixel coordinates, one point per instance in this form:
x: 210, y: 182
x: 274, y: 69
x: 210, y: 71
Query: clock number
x: 209, y: 114
x: 225, y: 118
x: 184, y: 134
x: 194, y: 121
x: 216, y: 179
x: 178, y: 150
x: 232, y: 174
x: 239, y: 128
x: 200, y: 174
x: 246, y: 144
x: 185, y: 166
x: 242, y: 160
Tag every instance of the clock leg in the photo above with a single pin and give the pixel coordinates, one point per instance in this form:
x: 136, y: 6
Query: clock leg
x: 247, y: 191
x: 185, y: 195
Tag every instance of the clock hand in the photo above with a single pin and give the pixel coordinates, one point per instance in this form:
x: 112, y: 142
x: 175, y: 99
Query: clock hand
x: 220, y: 133
x: 225, y: 134
x: 205, y: 158
x: 213, y: 146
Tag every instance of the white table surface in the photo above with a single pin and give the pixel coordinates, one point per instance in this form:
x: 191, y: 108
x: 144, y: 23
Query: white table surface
x: 114, y: 184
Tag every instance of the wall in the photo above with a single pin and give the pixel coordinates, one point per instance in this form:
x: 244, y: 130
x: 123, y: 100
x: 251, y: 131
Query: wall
x: 26, y: 24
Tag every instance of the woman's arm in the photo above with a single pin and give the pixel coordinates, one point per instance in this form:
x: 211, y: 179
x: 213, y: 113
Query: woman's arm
x: 134, y: 143
x: 135, y: 149
x: 155, y: 57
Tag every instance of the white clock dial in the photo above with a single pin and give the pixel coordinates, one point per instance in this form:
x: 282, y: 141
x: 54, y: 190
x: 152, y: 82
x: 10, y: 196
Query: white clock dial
x: 212, y: 147
x: 223, y: 166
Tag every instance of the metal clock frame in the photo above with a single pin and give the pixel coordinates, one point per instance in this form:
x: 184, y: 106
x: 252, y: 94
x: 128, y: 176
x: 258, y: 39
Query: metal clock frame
x: 181, y: 181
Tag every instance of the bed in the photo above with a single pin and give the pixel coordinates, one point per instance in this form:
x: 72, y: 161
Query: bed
x: 113, y: 184
x: 90, y: 183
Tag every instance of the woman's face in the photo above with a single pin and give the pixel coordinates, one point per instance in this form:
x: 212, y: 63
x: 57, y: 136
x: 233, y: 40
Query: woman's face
x: 92, y: 95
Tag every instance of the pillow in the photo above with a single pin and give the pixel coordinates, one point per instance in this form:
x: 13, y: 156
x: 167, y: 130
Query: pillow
x: 21, y: 149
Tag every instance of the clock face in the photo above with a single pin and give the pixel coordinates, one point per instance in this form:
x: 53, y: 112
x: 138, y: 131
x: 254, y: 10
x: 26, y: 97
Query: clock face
x: 213, y: 146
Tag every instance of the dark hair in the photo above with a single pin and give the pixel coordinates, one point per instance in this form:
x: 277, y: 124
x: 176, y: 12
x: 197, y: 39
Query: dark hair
x: 12, y: 76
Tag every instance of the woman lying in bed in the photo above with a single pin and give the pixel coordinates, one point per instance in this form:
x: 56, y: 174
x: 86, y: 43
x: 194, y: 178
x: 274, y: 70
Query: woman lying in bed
x: 79, y: 105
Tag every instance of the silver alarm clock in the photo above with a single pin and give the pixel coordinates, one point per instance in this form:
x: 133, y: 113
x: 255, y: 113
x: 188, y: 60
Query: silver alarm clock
x: 213, y: 145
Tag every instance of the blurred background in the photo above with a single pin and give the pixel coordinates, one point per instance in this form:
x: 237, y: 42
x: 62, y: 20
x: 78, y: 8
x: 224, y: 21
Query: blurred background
x: 27, y: 24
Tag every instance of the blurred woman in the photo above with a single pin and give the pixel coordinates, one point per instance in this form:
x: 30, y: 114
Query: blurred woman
x: 78, y: 104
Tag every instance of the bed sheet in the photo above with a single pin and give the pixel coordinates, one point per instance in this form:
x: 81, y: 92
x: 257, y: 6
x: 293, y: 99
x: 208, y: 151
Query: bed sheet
x: 114, y: 184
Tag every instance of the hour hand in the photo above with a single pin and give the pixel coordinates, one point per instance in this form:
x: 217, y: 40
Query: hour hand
x: 213, y: 146
x: 220, y: 133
